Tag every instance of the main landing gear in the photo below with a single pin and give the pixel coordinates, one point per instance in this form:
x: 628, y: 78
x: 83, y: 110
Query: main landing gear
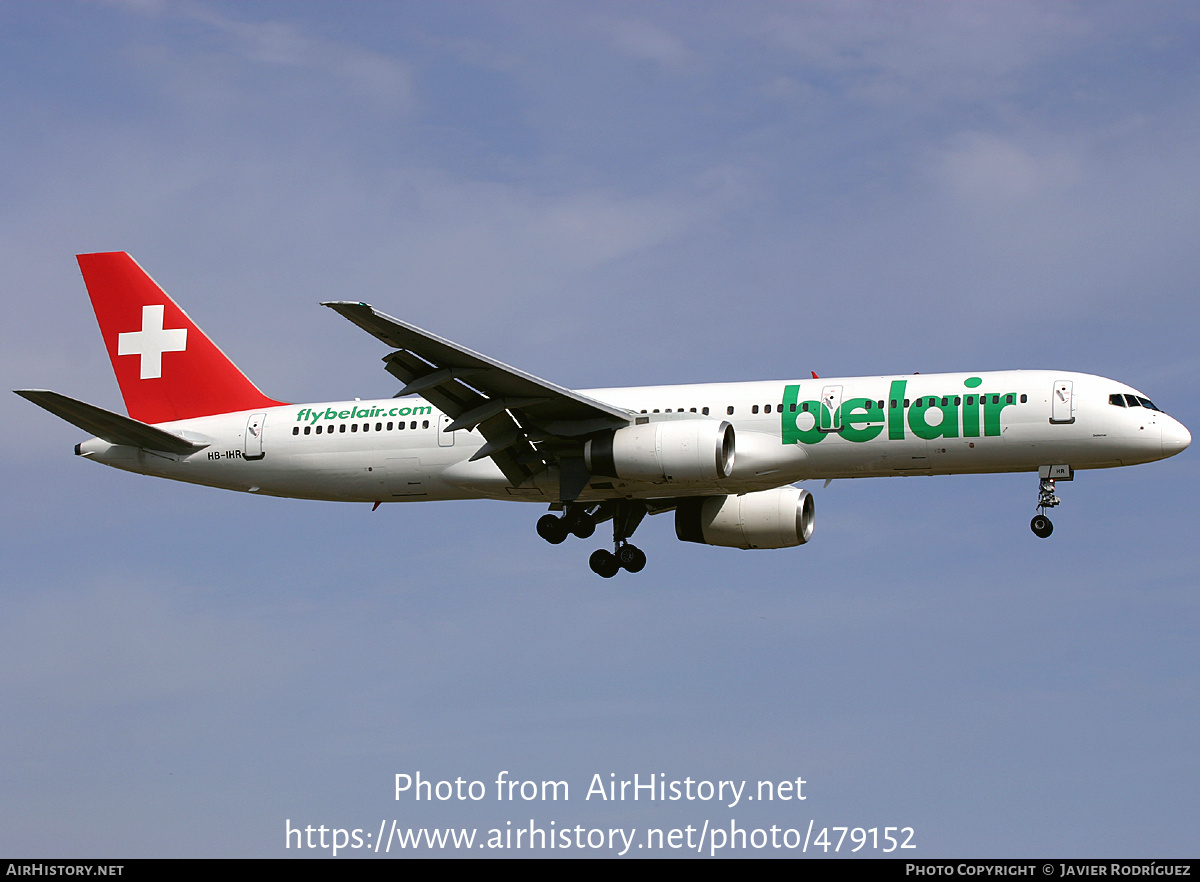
x: 581, y: 521
x: 575, y: 519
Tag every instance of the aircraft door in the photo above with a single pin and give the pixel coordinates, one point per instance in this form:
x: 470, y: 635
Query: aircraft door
x: 831, y: 409
x: 1062, y: 402
x: 445, y: 439
x: 252, y: 447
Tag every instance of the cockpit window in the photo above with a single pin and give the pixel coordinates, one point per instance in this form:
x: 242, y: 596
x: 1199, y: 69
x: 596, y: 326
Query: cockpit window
x: 1118, y: 399
x: 1132, y: 401
x: 1146, y: 402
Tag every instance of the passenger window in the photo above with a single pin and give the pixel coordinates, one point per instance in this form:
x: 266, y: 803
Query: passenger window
x: 390, y: 426
x: 295, y: 430
x: 379, y: 427
x: 342, y: 428
x: 413, y: 424
x: 425, y: 424
x: 705, y: 411
x: 754, y: 409
x: 307, y: 430
x: 354, y: 427
x: 1024, y: 398
x: 729, y: 410
x: 767, y: 409
x: 1010, y: 399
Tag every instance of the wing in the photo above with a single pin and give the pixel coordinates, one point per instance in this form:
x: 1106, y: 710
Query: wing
x: 528, y: 424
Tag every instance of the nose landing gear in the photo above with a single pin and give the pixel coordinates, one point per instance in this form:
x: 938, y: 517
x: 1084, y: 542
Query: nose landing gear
x: 1041, y: 525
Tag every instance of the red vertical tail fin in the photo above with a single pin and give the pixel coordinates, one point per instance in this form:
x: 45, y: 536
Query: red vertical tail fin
x: 165, y: 365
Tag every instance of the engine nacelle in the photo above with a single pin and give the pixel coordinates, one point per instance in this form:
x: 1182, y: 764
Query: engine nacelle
x: 676, y: 451
x: 779, y: 518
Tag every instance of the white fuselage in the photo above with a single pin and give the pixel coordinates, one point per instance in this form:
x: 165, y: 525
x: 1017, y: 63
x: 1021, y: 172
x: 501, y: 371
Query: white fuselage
x: 786, y: 431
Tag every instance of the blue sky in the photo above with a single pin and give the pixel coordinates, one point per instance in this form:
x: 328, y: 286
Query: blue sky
x: 603, y: 195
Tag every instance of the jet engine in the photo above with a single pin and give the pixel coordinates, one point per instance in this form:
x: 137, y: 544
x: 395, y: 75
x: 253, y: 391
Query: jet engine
x: 779, y: 518
x: 679, y: 451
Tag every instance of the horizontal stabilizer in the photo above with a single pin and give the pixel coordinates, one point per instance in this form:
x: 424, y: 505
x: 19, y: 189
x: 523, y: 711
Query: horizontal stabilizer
x: 111, y: 427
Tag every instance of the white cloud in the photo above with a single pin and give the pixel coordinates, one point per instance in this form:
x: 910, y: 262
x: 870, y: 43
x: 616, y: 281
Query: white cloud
x: 983, y: 168
x: 642, y: 39
x: 384, y: 81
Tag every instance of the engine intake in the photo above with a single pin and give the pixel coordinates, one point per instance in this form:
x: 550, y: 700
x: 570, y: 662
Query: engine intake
x: 678, y: 451
x: 779, y: 518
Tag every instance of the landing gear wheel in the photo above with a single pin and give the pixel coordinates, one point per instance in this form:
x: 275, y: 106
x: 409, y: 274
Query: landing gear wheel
x: 632, y: 558
x: 604, y: 563
x: 552, y: 529
x: 582, y: 525
x: 1041, y: 526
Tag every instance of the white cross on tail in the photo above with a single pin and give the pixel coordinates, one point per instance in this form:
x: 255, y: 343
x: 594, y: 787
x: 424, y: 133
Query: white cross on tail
x: 151, y: 342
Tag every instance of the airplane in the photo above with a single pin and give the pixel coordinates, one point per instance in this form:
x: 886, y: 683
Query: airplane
x: 723, y: 457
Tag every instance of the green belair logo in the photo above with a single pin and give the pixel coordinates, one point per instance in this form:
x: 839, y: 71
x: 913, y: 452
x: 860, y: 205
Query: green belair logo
x: 864, y: 419
x: 309, y: 415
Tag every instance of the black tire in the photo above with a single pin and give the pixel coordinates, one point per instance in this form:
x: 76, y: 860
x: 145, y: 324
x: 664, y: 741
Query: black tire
x: 552, y: 529
x: 582, y: 525
x: 604, y: 563
x: 632, y: 558
x: 1041, y: 526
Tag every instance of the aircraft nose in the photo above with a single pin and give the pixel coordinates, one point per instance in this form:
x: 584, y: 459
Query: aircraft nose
x: 1175, y: 437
